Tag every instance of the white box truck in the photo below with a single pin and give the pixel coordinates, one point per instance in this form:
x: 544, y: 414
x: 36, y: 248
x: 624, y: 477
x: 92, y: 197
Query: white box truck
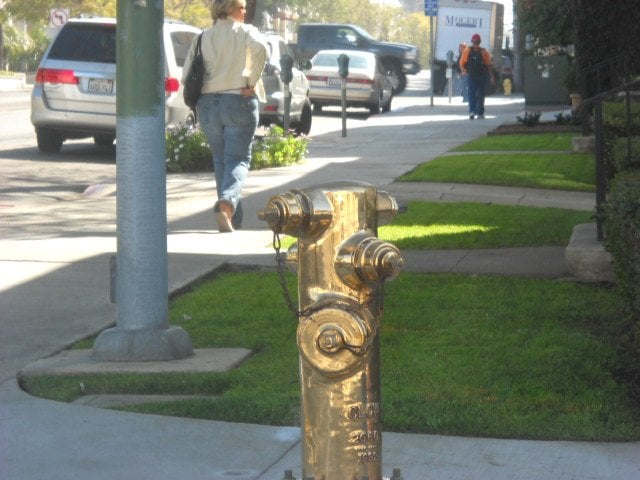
x: 457, y: 20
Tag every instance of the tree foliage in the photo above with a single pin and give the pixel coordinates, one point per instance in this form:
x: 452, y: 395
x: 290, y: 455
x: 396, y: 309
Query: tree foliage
x: 195, y: 13
x: 37, y: 11
x: 549, y: 22
x: 598, y: 30
x: 602, y: 32
x: 22, y: 50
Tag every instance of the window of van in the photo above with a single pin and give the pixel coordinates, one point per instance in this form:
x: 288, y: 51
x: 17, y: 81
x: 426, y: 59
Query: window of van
x: 85, y: 43
x: 181, y: 44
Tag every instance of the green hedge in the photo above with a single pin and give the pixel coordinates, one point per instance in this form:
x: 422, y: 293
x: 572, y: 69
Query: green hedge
x: 622, y: 229
x: 619, y: 159
x: 615, y: 136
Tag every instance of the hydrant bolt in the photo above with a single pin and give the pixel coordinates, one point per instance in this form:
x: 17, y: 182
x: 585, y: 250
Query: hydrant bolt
x: 331, y: 340
x: 390, y: 264
x: 270, y: 215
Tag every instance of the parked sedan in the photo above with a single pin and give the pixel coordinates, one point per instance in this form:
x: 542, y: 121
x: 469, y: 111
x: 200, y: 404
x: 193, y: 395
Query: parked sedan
x: 367, y: 85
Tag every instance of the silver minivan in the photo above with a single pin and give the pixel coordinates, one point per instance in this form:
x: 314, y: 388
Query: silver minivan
x: 74, y: 95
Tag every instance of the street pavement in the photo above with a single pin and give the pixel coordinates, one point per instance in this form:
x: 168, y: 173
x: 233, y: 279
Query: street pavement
x: 55, y: 289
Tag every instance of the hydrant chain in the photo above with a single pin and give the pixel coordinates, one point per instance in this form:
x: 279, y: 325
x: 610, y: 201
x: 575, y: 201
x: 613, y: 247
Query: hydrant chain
x: 277, y: 245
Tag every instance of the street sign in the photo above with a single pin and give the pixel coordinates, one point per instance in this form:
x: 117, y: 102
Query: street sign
x: 58, y: 17
x: 431, y: 8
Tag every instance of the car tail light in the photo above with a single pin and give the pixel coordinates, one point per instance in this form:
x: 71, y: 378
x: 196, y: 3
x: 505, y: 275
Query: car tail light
x: 171, y: 85
x: 271, y: 108
x: 53, y: 75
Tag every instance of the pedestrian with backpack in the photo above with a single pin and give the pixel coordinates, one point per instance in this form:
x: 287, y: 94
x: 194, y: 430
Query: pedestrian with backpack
x: 475, y: 63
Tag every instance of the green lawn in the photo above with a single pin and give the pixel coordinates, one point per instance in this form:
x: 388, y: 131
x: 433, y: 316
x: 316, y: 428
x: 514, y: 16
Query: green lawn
x: 528, y: 142
x: 476, y: 225
x: 559, y: 171
x: 461, y: 355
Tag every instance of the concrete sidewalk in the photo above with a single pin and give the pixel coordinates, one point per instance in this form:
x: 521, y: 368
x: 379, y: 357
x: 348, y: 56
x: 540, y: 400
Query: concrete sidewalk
x: 55, y: 290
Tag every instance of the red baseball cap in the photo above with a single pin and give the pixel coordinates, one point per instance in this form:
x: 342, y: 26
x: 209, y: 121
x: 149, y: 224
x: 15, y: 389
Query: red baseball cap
x: 475, y: 38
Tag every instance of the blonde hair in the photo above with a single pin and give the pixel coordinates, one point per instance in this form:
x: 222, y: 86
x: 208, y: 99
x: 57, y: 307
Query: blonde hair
x: 222, y: 8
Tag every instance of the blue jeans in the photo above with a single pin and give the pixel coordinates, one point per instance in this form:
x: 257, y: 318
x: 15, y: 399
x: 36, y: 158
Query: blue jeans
x: 460, y: 86
x: 229, y: 122
x: 477, y: 86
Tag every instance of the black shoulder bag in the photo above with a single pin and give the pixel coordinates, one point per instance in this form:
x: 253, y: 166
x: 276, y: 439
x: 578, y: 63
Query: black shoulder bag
x: 193, y: 82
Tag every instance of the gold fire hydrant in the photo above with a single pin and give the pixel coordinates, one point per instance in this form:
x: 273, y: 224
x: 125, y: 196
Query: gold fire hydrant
x: 506, y: 85
x: 341, y: 266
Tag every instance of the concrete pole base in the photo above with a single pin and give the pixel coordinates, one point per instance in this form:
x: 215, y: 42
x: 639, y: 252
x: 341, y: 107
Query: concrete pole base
x: 121, y: 345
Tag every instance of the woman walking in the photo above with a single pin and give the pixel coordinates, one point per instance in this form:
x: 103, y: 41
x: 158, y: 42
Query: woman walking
x: 234, y: 56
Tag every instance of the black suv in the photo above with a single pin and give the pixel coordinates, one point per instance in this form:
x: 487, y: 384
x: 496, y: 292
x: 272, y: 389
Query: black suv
x: 398, y: 59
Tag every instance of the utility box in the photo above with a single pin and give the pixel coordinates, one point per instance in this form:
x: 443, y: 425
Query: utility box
x: 544, y: 80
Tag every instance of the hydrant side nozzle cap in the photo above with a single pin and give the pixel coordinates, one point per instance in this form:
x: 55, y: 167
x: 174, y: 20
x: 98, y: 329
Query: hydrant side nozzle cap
x: 270, y: 215
x: 391, y: 263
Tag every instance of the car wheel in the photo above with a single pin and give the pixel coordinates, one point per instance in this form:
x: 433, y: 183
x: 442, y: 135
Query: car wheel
x: 396, y: 75
x: 48, y: 140
x: 104, y: 140
x: 374, y: 108
x: 303, y: 127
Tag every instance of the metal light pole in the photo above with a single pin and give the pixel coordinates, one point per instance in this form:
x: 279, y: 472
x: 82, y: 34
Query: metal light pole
x: 142, y: 332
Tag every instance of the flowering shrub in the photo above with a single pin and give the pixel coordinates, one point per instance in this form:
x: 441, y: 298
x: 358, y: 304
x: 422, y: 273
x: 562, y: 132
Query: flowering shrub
x: 278, y: 149
x: 187, y: 149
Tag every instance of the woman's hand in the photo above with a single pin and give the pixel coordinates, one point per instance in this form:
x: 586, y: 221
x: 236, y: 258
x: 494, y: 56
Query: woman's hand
x: 248, y: 91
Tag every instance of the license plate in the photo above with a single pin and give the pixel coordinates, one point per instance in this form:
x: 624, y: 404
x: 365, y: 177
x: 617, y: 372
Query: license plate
x: 334, y: 82
x: 100, y: 85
